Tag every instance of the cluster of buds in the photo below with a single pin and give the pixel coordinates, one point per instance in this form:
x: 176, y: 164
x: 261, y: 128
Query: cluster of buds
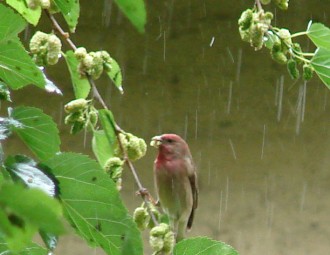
x: 253, y: 25
x: 81, y: 114
x: 255, y: 28
x: 134, y: 146
x: 114, y: 168
x: 142, y: 217
x: 45, y: 48
x: 92, y: 63
x: 282, y: 4
x: 162, y: 239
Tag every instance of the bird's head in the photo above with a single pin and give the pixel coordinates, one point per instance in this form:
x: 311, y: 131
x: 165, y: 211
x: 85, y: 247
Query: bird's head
x: 170, y: 145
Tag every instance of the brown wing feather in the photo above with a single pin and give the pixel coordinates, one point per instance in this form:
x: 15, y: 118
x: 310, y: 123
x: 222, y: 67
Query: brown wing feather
x: 194, y: 189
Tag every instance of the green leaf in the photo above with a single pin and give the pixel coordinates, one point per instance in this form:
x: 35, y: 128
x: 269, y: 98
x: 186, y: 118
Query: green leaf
x: 16, y: 67
x: 39, y: 131
x: 102, y: 149
x: 11, y: 23
x: 203, y: 246
x: 115, y: 75
x: 321, y: 65
x: 31, y: 249
x: 31, y: 15
x: 92, y: 204
x: 28, y: 210
x: 135, y: 11
x: 81, y: 86
x: 14, y: 236
x: 320, y: 35
x: 108, y: 124
x: 70, y: 10
x: 28, y: 172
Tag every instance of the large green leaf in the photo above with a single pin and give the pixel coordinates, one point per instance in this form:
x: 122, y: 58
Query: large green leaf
x: 31, y: 15
x: 92, y: 204
x: 321, y: 64
x: 16, y: 67
x: 320, y: 35
x: 28, y: 172
x: 31, y: 249
x: 115, y: 75
x: 11, y: 23
x: 135, y: 11
x: 23, y: 212
x: 39, y: 131
x: 70, y: 10
x: 203, y: 246
x: 102, y: 149
x: 81, y: 86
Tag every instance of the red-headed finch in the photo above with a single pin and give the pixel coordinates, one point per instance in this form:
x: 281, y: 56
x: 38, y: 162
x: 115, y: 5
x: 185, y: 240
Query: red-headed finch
x: 175, y: 181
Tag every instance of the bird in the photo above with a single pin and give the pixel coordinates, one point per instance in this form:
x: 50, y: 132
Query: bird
x: 175, y: 182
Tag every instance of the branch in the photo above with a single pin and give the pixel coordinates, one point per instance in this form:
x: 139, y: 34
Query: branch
x: 145, y: 195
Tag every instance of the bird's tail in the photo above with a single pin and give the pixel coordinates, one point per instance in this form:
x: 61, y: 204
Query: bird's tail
x: 191, y: 219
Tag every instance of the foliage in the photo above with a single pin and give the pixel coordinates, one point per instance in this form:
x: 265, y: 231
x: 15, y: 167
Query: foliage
x: 255, y: 27
x: 59, y: 187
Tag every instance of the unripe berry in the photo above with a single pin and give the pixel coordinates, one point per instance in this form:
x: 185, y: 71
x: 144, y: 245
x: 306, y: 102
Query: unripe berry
x: 292, y: 69
x: 141, y: 218
x: 308, y: 71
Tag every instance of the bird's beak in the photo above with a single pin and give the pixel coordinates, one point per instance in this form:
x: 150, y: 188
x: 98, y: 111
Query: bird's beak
x: 156, y: 141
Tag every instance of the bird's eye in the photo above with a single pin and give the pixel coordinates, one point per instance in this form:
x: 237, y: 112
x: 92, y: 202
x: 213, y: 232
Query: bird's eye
x: 169, y: 140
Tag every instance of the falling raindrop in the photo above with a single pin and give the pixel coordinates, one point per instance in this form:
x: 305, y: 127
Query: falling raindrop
x: 196, y: 124
x: 239, y: 64
x: 263, y: 142
x: 230, y: 55
x: 220, y: 211
x: 185, y: 127
x: 280, y: 99
x: 303, y: 196
x: 106, y: 13
x: 60, y: 121
x: 325, y: 100
x: 227, y: 193
x: 212, y: 41
x: 229, y: 97
x: 232, y: 148
x: 164, y: 46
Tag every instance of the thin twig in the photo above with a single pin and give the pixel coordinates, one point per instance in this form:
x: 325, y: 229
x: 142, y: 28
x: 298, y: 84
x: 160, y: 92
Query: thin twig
x: 259, y: 5
x: 145, y: 195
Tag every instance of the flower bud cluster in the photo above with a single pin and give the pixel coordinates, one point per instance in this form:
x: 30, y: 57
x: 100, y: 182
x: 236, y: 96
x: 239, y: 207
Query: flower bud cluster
x: 45, y: 48
x: 114, y: 167
x: 134, y: 146
x: 34, y: 4
x: 93, y: 63
x: 81, y: 114
x: 253, y: 25
x: 162, y: 239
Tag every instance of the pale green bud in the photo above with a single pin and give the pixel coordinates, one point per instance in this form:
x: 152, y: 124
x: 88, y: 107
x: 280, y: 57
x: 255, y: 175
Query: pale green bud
x: 169, y: 242
x: 76, y: 105
x: 80, y: 53
x: 45, y: 4
x: 160, y: 230
x: 141, y: 218
x: 245, y: 20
